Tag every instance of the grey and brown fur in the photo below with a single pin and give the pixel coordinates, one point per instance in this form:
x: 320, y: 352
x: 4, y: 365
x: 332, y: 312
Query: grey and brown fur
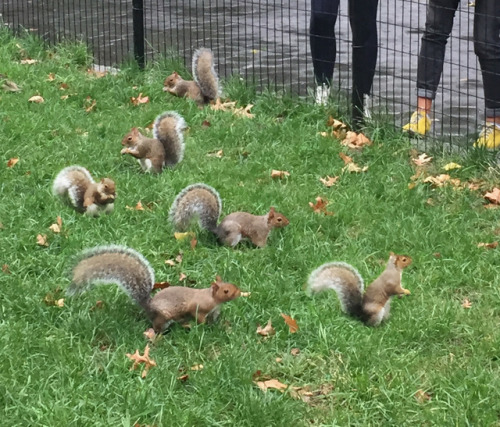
x: 204, y: 88
x: 77, y: 185
x: 131, y: 271
x: 165, y: 149
x: 202, y: 202
x: 374, y: 305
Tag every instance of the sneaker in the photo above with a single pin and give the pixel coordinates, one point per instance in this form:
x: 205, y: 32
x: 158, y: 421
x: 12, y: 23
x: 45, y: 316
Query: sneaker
x: 322, y: 94
x: 420, y: 123
x: 489, y: 137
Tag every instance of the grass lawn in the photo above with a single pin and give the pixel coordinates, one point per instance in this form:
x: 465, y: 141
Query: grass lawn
x: 434, y: 362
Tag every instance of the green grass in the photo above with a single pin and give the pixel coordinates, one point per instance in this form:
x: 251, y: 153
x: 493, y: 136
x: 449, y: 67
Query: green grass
x: 67, y: 366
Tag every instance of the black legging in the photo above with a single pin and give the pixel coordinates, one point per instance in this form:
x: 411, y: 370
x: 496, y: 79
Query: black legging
x: 363, y: 20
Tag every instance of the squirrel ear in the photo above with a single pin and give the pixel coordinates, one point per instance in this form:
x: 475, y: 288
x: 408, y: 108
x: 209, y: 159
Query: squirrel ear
x: 218, y: 279
x: 176, y: 74
x: 215, y: 287
x: 134, y: 130
x: 272, y: 211
x: 391, y: 254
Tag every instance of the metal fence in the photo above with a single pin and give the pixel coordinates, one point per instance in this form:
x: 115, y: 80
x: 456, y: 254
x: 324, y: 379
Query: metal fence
x: 267, y: 43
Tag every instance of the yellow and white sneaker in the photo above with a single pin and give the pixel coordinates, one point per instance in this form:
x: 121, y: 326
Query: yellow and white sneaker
x: 420, y: 123
x: 489, y: 137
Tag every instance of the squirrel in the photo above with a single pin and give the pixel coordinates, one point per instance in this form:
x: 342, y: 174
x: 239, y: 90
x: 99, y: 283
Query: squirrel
x: 165, y: 149
x: 373, y: 306
x: 204, y: 88
x: 202, y: 201
x: 132, y: 272
x: 86, y: 195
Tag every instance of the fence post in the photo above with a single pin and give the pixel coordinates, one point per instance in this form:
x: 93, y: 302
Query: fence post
x: 138, y: 28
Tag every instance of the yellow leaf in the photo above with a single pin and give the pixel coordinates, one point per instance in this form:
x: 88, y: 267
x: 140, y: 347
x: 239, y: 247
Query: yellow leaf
x: 184, y: 236
x: 451, y: 166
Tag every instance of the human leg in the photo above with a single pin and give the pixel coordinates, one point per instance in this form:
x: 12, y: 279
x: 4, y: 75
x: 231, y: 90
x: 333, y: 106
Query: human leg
x: 323, y: 44
x: 487, y: 49
x: 363, y: 20
x: 438, y: 26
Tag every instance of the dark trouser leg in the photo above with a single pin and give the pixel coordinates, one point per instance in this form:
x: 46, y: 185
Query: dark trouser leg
x: 438, y: 26
x: 363, y: 19
x: 487, y: 49
x: 322, y: 38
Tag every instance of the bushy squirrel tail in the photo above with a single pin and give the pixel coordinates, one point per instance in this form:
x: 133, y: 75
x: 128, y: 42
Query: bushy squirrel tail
x: 345, y: 280
x: 168, y: 128
x: 205, y: 75
x: 114, y: 264
x: 196, y: 201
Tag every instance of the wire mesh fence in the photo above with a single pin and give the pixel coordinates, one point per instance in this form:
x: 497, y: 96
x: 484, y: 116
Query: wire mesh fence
x: 266, y: 42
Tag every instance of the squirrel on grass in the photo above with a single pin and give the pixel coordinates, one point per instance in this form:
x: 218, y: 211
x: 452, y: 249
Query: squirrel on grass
x: 132, y: 272
x: 203, y: 202
x: 92, y: 198
x: 165, y: 149
x: 372, y: 306
x: 204, y: 88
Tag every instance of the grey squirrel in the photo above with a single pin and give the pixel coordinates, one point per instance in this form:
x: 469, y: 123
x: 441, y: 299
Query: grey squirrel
x: 373, y: 306
x: 132, y: 272
x: 202, y: 201
x: 204, y: 88
x: 86, y: 195
x: 165, y: 149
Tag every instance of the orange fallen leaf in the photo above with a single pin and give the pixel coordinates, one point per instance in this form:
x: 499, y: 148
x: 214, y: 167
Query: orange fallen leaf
x: 12, y: 162
x: 279, y: 174
x: 491, y: 245
x: 345, y: 158
x: 422, y: 396
x: 493, y: 196
x: 63, y: 86
x: 222, y: 106
x: 137, y: 207
x: 441, y: 180
x: 145, y: 359
x: 295, y: 351
x: 335, y: 124
x: 193, y: 243
x: 292, y: 323
x: 183, y: 378
x: 139, y: 99
x: 161, y: 285
x: 355, y: 140
x: 329, y: 180
x: 275, y: 384
x: 206, y: 124
x: 41, y: 239
x: 37, y: 99
x: 56, y: 227
x: 320, y: 206
x: 150, y: 334
x: 466, y: 303
x: 267, y: 330
x: 421, y: 160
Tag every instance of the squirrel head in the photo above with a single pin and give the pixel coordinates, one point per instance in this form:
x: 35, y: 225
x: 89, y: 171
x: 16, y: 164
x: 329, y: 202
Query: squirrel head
x: 223, y: 292
x: 170, y: 81
x: 106, y: 191
x: 276, y: 219
x: 131, y: 137
x: 399, y: 261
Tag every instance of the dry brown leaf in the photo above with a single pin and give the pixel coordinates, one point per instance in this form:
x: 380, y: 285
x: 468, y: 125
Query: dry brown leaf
x: 355, y: 140
x: 12, y: 162
x: 340, y: 133
x: 5, y: 269
x: 320, y: 206
x: 139, y: 99
x: 10, y: 86
x: 137, y: 207
x: 96, y: 74
x: 37, y: 99
x: 493, y: 196
x: 353, y: 167
x: 279, y: 174
x: 267, y: 330
x: 422, y: 396
x: 244, y: 112
x: 184, y: 236
x: 183, y: 378
x: 89, y: 104
x: 335, y: 124
x: 51, y: 77
x: 279, y: 359
x: 466, y: 303
x: 178, y: 258
x: 28, y: 61
x: 170, y: 262
x: 206, y: 124
x: 41, y: 239
x: 491, y: 245
x: 182, y: 276
x: 150, y: 334
x: 345, y: 158
x: 193, y: 243
x: 245, y: 294
x: 265, y: 385
x: 217, y: 154
x: 63, y: 86
x: 295, y: 351
x: 196, y: 367
x: 145, y: 359
x: 292, y: 323
x: 438, y: 180
x: 422, y: 159
x: 161, y: 285
x: 56, y: 227
x: 329, y: 180
x: 223, y: 106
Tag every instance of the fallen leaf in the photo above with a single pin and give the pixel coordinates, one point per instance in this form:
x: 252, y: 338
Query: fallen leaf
x: 37, y: 99
x: 491, y: 245
x: 41, y: 239
x: 64, y: 97
x: 275, y: 384
x: 178, y: 258
x: 355, y: 141
x: 441, y: 180
x: 345, y: 158
x: 151, y: 336
x: 244, y: 112
x: 278, y: 360
x: 59, y: 302
x: 51, y: 77
x: 279, y: 174
x: 353, y: 167
x: 182, y: 276
x: 325, y: 134
x: 329, y: 180
x: 422, y: 396
x: 245, y: 294
x: 493, y: 196
x: 217, y: 154
x: 12, y: 162
x: 161, y: 285
x: 5, y: 269
x: 466, y: 303
x: 183, y: 378
x: 138, y: 359
x: 295, y: 351
x: 436, y: 255
x: 292, y: 323
x: 96, y: 74
x: 137, y: 207
x: 267, y: 330
x: 193, y: 243
x: 56, y: 227
x: 196, y: 367
x: 422, y: 159
x: 222, y: 106
x: 28, y: 61
x: 63, y: 86
x: 184, y: 236
x: 89, y: 104
x: 170, y: 262
x: 206, y: 124
x: 451, y: 166
x: 139, y: 99
x: 10, y: 86
x: 335, y: 124
x: 320, y: 206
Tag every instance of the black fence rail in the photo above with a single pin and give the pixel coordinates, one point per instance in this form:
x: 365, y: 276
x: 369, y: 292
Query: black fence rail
x: 266, y: 42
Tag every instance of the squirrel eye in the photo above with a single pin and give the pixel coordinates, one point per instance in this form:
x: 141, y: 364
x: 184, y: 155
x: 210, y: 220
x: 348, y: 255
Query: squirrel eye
x: 280, y: 219
x: 226, y: 291
x: 129, y: 138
